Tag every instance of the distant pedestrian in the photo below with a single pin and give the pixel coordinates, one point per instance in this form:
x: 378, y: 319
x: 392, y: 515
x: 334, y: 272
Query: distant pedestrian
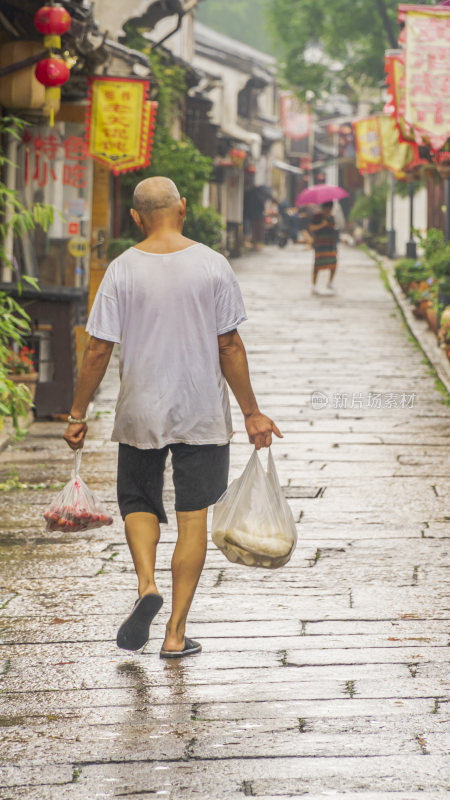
x: 324, y: 237
x: 174, y: 306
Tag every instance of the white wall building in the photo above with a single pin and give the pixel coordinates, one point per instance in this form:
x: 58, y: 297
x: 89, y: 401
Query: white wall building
x: 241, y: 83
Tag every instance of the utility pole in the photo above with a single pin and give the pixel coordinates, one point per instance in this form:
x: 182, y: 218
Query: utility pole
x: 447, y: 208
x: 391, y: 245
x: 411, y: 248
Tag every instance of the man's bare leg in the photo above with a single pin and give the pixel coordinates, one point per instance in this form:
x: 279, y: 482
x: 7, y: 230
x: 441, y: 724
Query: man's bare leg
x: 143, y: 532
x: 187, y: 564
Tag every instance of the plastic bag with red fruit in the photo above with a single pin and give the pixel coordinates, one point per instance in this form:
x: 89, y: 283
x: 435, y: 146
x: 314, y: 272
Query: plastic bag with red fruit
x: 76, y: 508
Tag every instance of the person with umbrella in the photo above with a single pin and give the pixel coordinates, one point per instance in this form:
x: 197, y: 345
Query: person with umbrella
x: 322, y: 229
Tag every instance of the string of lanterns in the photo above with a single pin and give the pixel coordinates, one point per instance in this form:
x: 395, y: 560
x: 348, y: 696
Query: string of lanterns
x: 52, y: 21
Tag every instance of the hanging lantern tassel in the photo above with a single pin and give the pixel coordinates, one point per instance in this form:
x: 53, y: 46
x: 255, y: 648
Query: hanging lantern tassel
x: 52, y: 102
x: 52, y: 72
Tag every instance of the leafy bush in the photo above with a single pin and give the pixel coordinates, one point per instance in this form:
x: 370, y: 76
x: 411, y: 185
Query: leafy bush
x: 439, y: 263
x: 432, y: 242
x: 14, y: 325
x: 204, y: 225
x: 425, y: 290
x: 14, y: 321
x: 372, y: 207
x: 444, y: 332
x: 409, y: 270
x: 118, y: 246
x: 14, y: 215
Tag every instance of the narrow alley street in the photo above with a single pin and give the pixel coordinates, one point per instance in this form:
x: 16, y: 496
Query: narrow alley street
x: 324, y: 678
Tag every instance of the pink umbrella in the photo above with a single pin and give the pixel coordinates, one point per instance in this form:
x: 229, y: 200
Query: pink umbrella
x: 322, y: 193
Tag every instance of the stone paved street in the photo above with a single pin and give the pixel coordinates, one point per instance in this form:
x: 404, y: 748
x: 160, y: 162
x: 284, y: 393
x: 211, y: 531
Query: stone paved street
x: 325, y: 678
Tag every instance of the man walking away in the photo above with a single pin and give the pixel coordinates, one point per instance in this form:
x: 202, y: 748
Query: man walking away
x: 174, y: 306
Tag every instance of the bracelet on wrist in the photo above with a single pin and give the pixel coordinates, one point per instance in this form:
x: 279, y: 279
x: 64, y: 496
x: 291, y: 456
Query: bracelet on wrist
x: 74, y: 421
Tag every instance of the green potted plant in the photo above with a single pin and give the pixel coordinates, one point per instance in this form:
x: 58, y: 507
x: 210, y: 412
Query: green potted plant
x: 15, y: 393
x: 21, y: 369
x: 410, y: 271
x: 444, y: 336
x: 437, y: 259
x: 423, y: 296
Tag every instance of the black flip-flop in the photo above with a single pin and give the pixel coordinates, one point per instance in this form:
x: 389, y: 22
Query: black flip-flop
x: 190, y: 647
x: 134, y: 631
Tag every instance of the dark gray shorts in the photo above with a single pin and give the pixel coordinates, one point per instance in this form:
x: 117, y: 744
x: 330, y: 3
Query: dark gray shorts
x: 200, y: 477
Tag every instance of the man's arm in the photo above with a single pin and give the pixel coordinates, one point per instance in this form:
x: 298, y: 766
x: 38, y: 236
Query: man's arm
x: 234, y: 365
x: 95, y: 361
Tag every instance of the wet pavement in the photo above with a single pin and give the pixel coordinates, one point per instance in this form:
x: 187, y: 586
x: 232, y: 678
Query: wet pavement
x: 328, y: 677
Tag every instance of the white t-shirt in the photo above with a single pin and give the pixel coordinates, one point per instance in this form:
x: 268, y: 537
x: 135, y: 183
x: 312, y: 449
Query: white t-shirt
x: 167, y: 311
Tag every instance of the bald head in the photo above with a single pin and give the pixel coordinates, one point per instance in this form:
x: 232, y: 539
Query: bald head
x: 155, y: 194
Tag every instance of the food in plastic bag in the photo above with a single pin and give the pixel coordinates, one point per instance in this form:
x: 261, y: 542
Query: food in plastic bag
x: 76, y: 508
x: 252, y: 522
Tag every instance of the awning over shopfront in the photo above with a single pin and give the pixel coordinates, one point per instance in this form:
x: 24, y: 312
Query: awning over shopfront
x: 270, y: 133
x: 285, y: 167
x: 239, y: 134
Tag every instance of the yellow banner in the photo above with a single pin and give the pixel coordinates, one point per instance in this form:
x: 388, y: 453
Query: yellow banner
x: 396, y: 155
x: 368, y: 145
x: 120, y: 116
x: 378, y: 146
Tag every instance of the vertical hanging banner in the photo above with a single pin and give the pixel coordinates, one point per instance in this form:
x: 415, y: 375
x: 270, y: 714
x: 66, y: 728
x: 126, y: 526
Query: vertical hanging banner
x: 427, y: 73
x: 368, y: 145
x: 120, y: 123
x: 396, y: 155
x: 395, y: 106
x: 378, y: 146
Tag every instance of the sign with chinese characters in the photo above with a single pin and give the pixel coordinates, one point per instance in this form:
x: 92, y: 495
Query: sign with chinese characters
x: 368, y: 145
x: 378, y: 146
x: 427, y: 74
x: 296, y: 123
x: 396, y: 154
x: 120, y: 123
x: 46, y: 155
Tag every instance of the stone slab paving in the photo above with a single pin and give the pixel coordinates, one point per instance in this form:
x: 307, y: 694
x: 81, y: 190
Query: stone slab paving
x: 326, y: 678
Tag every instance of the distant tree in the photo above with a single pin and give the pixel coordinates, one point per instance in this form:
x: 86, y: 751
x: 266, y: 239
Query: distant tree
x: 244, y: 20
x: 352, y: 35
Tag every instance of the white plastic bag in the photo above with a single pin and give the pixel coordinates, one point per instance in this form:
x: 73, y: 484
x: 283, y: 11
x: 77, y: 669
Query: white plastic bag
x: 252, y: 522
x: 76, y: 508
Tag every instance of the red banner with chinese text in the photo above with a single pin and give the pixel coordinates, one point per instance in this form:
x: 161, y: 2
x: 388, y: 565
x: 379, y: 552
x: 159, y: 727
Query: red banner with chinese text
x: 395, y: 106
x: 120, y: 123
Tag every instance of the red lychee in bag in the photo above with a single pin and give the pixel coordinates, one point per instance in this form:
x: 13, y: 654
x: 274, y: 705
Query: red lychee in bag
x: 76, y: 508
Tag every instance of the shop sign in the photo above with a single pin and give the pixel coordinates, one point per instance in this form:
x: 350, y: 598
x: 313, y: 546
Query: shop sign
x: 378, y: 146
x: 295, y: 122
x: 42, y: 154
x: 120, y: 123
x: 78, y: 246
x: 368, y: 145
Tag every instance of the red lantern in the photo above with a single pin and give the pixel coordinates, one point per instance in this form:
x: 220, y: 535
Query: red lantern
x: 52, y: 71
x: 52, y: 20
